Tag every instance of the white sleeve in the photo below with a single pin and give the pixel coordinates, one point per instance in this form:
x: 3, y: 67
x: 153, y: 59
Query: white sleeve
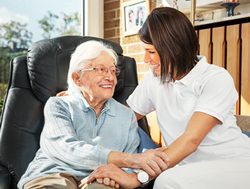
x: 218, y: 96
x: 140, y: 100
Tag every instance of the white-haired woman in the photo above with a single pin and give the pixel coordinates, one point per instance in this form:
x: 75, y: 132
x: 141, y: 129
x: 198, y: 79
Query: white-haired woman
x: 87, y: 128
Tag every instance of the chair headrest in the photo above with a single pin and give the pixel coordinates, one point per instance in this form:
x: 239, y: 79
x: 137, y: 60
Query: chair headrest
x: 48, y: 63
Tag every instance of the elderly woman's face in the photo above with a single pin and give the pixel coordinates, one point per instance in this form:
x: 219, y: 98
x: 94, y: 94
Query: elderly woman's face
x: 98, y: 78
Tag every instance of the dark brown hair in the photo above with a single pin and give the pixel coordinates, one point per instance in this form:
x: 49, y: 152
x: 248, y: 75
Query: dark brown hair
x: 174, y: 38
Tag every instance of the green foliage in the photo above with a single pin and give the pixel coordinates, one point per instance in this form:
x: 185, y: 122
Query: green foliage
x: 1, y: 105
x: 5, y: 57
x: 70, y: 25
x: 47, y: 24
x: 54, y: 25
x: 6, y: 54
x: 3, y: 88
x: 15, y: 35
x: 15, y: 39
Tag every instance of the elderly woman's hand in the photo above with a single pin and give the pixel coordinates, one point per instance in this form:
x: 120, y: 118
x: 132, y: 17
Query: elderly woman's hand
x: 152, y: 161
x: 103, y: 181
x: 108, y: 182
x: 113, y: 176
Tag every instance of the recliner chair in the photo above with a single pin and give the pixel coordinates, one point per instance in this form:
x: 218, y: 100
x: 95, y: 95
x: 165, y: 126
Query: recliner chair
x: 33, y: 79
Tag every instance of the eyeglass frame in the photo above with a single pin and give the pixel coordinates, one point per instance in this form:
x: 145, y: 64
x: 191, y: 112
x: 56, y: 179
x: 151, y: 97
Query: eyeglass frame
x: 104, y: 71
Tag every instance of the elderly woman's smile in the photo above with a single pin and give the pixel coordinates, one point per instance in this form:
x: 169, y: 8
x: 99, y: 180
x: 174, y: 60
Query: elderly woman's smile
x: 106, y: 86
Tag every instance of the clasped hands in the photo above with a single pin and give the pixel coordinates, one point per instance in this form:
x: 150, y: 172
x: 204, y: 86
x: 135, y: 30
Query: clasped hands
x: 153, y: 161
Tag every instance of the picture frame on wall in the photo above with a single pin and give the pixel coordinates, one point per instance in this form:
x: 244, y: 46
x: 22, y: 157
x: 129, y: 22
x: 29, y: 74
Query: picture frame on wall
x: 134, y: 15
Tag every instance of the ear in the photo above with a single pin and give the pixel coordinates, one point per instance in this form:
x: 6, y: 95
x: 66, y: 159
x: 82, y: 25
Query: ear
x: 76, y: 78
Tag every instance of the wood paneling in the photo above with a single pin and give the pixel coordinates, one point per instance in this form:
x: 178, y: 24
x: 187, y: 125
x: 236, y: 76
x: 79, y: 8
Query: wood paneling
x: 245, y: 70
x: 230, y: 48
x: 205, y: 43
x: 218, y: 46
x: 233, y: 56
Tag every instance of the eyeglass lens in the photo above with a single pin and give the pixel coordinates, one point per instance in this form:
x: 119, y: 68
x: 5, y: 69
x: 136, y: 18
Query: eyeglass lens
x: 103, y: 70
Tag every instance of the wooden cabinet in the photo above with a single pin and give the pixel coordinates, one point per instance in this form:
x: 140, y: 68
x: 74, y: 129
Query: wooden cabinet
x: 245, y: 70
x: 205, y: 43
x: 227, y: 44
x: 219, y: 43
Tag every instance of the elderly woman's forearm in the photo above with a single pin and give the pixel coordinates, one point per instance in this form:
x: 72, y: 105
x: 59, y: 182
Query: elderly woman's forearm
x: 120, y: 159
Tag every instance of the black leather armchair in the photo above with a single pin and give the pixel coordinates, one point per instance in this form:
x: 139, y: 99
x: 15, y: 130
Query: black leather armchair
x: 33, y: 79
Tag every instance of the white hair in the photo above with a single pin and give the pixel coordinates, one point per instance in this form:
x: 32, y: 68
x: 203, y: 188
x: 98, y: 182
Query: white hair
x: 82, y: 56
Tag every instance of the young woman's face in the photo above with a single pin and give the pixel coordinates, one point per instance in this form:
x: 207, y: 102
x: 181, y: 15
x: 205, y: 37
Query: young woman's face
x: 152, y: 58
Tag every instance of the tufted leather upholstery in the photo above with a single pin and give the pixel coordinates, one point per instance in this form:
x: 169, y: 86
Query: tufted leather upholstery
x: 33, y: 79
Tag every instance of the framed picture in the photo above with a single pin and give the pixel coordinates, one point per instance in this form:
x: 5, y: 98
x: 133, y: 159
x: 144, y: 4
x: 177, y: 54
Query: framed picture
x: 134, y: 15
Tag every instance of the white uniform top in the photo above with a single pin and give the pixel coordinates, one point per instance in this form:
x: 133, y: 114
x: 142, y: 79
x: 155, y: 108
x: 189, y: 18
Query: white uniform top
x: 206, y: 88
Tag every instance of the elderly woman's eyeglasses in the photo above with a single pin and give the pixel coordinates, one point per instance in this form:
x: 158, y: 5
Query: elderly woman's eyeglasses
x: 102, y: 70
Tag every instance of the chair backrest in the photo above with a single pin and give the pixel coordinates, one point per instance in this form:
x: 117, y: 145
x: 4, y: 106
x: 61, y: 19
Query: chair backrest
x: 33, y: 79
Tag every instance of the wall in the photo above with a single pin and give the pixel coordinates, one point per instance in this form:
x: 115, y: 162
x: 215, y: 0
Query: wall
x: 112, y: 20
x: 93, y: 18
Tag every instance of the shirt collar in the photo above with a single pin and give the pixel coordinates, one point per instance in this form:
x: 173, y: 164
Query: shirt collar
x: 197, y: 70
x: 84, y: 105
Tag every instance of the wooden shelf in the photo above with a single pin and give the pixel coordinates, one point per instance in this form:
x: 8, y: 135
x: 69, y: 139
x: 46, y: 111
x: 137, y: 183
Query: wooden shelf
x: 223, y: 21
x: 203, y: 5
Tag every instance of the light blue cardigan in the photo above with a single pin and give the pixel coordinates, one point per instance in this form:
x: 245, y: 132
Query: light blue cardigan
x: 75, y: 142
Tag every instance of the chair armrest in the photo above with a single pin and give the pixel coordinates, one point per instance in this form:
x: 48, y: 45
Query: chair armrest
x: 4, y: 178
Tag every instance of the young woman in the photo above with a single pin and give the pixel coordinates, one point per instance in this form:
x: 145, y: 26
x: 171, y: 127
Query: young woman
x: 194, y: 102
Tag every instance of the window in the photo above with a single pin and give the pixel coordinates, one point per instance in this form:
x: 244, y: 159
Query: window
x: 25, y: 21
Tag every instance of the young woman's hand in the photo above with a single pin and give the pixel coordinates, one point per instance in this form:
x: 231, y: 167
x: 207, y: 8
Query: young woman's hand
x: 152, y: 161
x: 63, y: 93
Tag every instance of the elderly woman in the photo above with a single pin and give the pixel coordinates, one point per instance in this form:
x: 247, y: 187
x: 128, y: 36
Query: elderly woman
x: 87, y: 128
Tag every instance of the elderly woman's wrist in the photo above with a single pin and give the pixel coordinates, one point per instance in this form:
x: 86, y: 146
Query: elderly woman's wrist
x: 131, y: 161
x: 120, y: 159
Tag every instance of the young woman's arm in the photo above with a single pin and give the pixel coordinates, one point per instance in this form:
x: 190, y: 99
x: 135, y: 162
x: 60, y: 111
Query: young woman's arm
x: 198, y: 127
